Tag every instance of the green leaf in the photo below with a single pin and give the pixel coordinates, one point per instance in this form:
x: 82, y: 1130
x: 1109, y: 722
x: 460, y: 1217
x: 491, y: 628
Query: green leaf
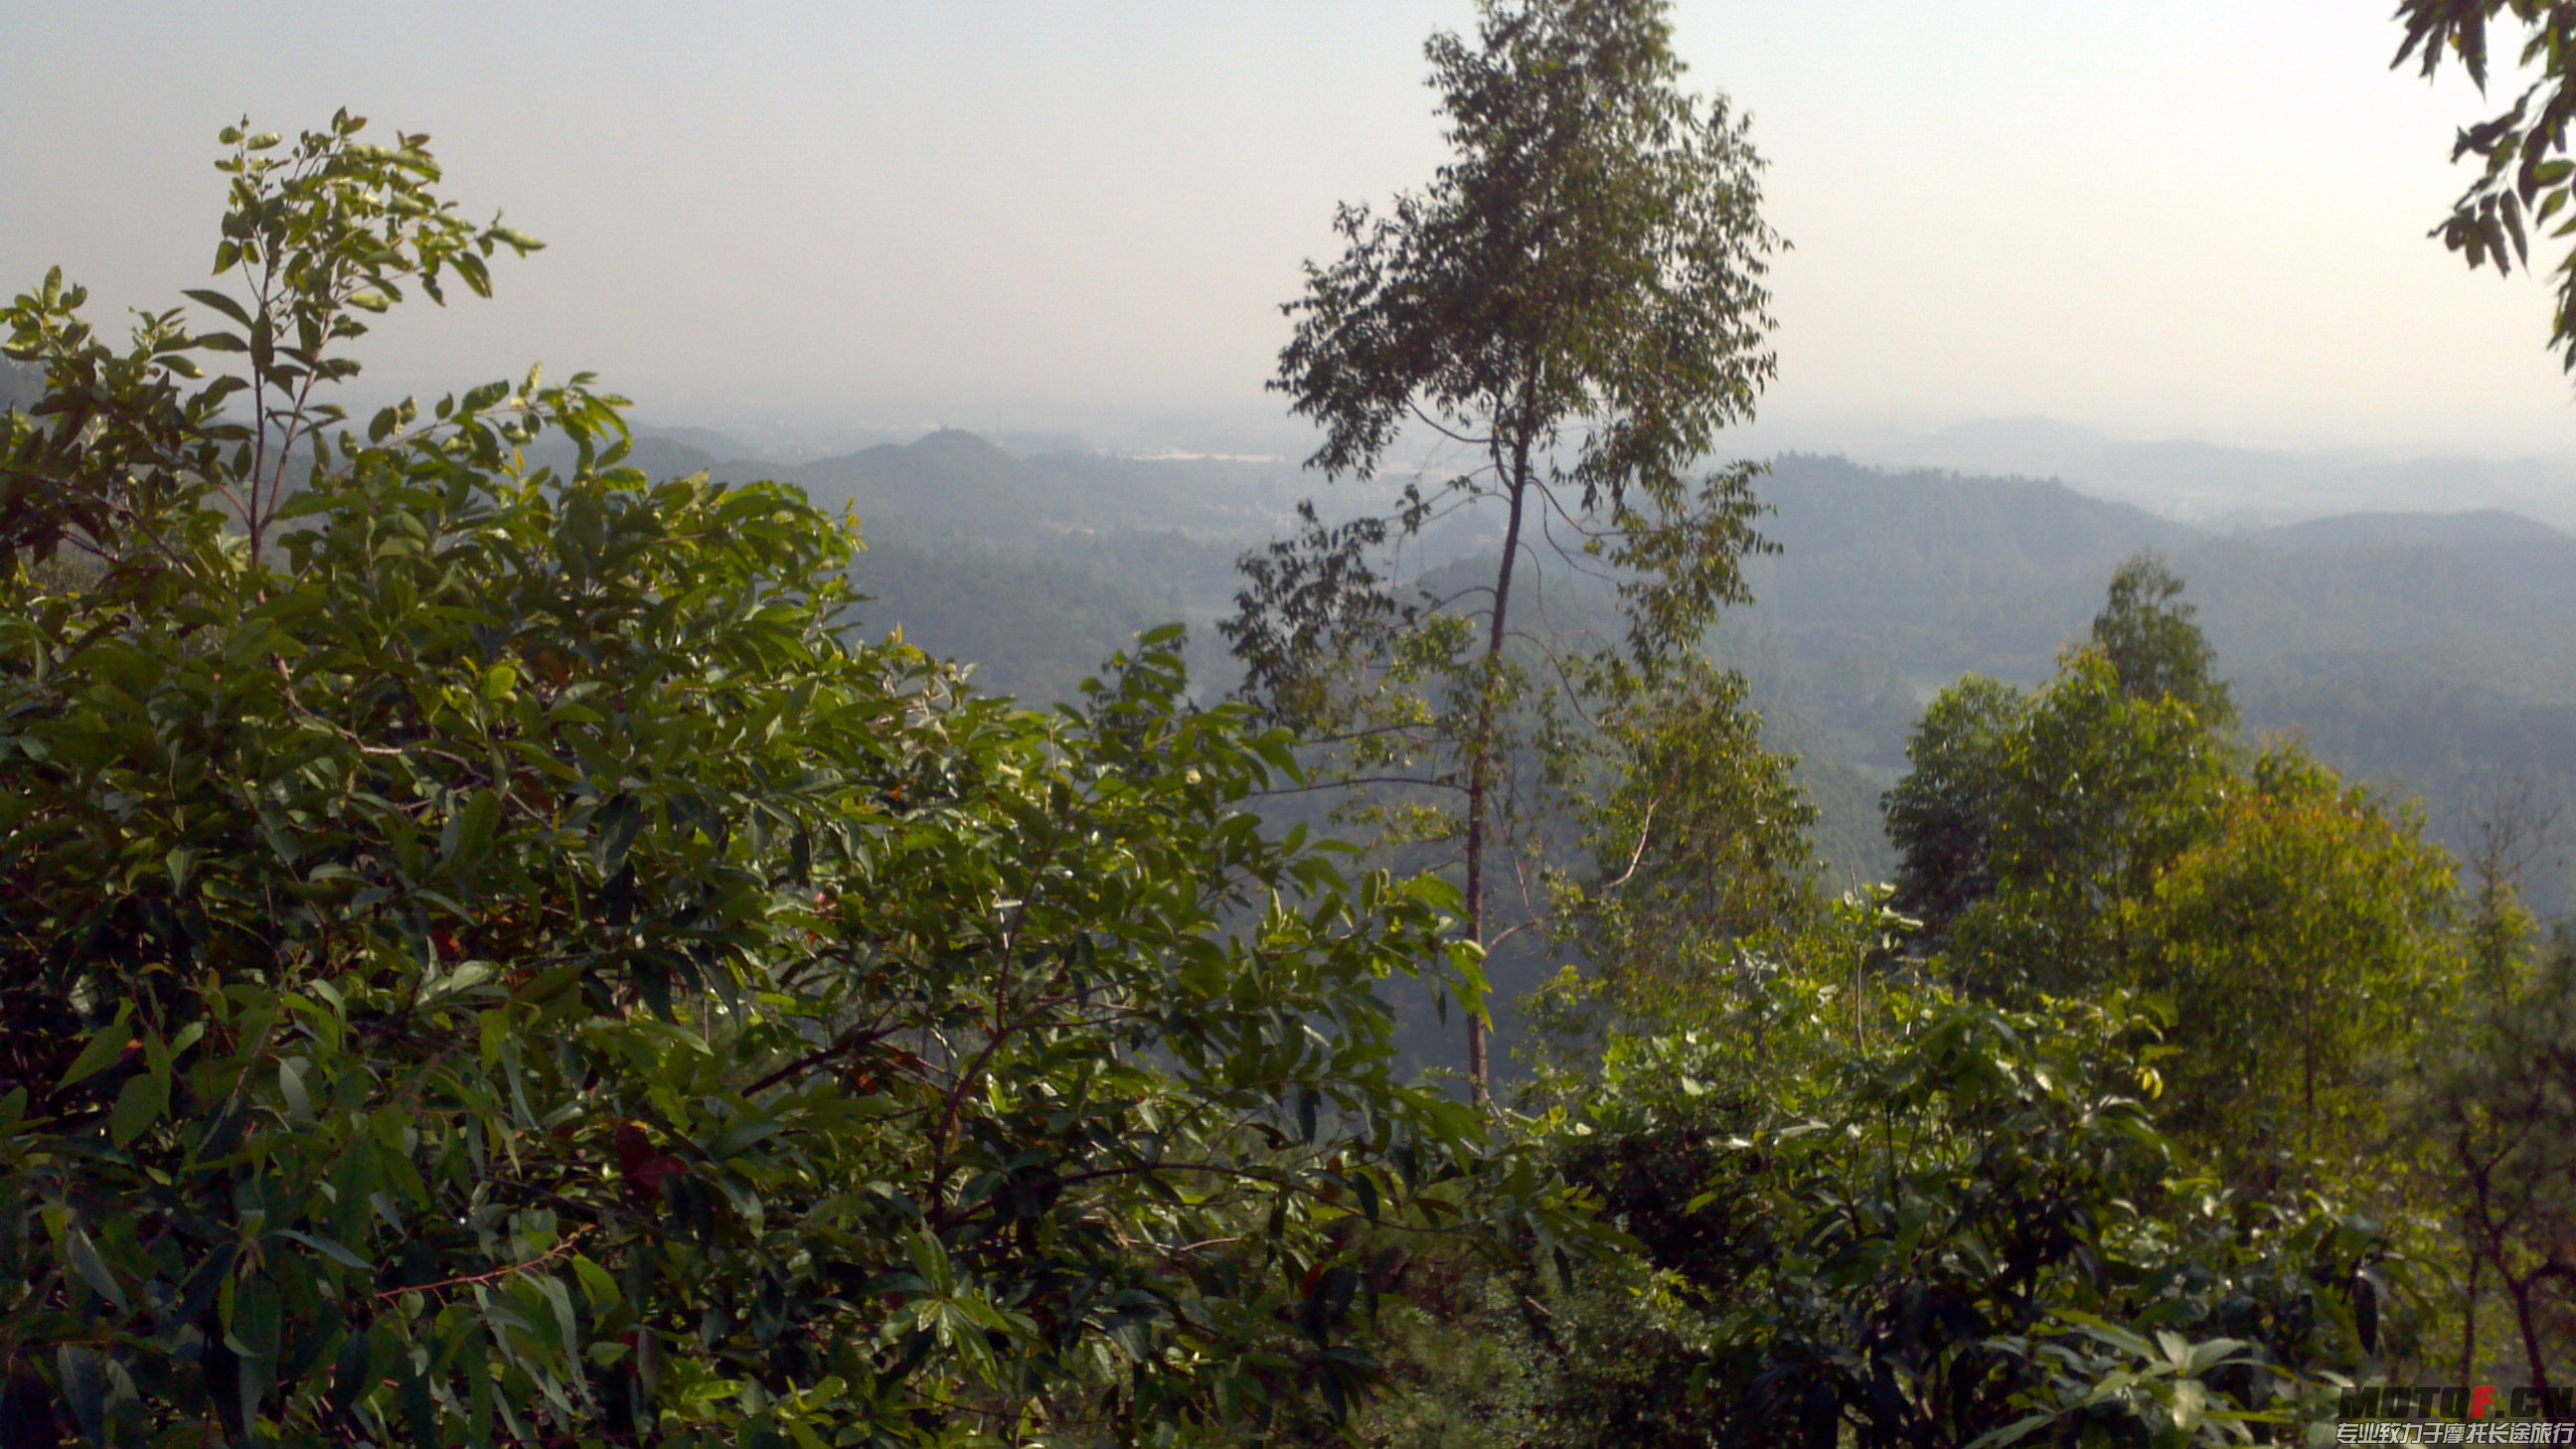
x: 2211, y: 1353
x: 742, y: 1136
x: 2013, y: 1433
x: 336, y: 1252
x: 138, y: 1105
x: 105, y: 1047
x: 472, y: 835
x: 290, y: 1085
x: 85, y: 1388
x: 93, y: 1270
x: 614, y: 830
x: 219, y: 301
x: 596, y: 1284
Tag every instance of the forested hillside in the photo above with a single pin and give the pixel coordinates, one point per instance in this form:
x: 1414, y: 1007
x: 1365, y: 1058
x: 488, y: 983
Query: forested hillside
x: 955, y: 486
x: 1984, y: 574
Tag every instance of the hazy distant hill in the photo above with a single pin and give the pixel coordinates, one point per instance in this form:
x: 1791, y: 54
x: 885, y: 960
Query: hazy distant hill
x: 1033, y: 569
x: 2220, y: 484
x: 1925, y: 558
x: 1031, y: 627
x: 2508, y: 548
x: 705, y: 440
x: 947, y: 483
x: 1955, y: 573
x: 2496, y: 616
x: 953, y: 487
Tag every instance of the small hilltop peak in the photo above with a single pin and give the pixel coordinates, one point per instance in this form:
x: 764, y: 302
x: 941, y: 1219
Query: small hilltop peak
x: 959, y: 444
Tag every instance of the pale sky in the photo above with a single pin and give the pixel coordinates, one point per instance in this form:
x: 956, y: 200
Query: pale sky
x: 2197, y: 218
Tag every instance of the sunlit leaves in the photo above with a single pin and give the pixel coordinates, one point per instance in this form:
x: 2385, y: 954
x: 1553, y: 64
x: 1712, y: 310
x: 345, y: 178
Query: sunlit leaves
x: 2310, y: 935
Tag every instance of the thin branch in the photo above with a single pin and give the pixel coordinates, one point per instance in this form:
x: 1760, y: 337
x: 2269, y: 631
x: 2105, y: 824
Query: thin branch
x: 1573, y: 522
x: 1443, y: 429
x: 1645, y: 832
x: 1359, y: 782
x: 1436, y: 605
x: 854, y: 1041
x: 1347, y: 736
x: 562, y: 1246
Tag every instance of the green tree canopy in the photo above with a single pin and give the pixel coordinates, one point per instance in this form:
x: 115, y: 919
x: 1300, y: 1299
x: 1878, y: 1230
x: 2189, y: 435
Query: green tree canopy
x: 2501, y: 1104
x: 1868, y: 1214
x: 1941, y: 815
x: 1699, y: 850
x: 2031, y: 820
x: 2154, y: 647
x: 2306, y: 941
x: 2103, y: 833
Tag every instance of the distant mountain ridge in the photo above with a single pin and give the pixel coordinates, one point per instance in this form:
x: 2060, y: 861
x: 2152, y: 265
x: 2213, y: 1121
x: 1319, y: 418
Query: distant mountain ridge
x: 1865, y: 548
x: 952, y: 486
x: 1991, y: 574
x: 2225, y: 485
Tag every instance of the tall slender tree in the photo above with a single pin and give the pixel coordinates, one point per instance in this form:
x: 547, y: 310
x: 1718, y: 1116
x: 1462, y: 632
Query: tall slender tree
x: 1568, y: 315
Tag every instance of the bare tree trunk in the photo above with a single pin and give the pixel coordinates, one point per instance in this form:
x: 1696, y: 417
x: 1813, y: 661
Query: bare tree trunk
x: 2469, y: 1320
x: 1480, y: 1077
x: 1480, y: 763
x: 2528, y: 1321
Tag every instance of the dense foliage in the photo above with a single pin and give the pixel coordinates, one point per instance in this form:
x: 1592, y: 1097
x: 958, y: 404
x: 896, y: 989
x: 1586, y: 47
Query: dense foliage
x: 1884, y: 1217
x: 2420, y: 652
x: 2500, y: 1109
x: 2106, y: 832
x: 484, y: 954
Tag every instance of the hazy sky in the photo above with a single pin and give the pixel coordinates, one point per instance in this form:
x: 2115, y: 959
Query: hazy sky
x: 2189, y: 217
